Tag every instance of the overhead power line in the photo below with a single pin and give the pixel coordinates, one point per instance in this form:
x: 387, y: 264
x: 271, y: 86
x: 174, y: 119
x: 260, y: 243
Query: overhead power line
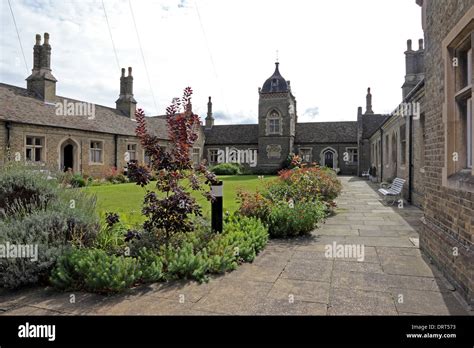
x: 18, y: 35
x: 210, y: 55
x: 110, y: 34
x: 143, y: 56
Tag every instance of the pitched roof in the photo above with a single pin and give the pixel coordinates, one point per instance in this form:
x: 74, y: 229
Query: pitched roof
x: 326, y: 132
x: 371, y: 123
x: 19, y: 105
x: 232, y: 134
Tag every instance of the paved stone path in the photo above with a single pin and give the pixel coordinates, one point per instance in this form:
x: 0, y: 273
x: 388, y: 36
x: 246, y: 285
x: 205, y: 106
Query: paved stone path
x: 293, y: 277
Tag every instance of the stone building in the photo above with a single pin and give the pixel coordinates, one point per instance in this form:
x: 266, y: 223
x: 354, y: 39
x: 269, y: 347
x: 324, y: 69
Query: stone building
x: 338, y: 145
x: 56, y: 133
x: 448, y: 233
x: 397, y: 147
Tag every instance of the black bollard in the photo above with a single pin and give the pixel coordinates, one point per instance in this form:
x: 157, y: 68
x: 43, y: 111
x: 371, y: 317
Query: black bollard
x: 216, y: 205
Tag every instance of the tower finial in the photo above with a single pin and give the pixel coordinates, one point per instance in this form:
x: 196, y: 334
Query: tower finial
x: 277, y: 56
x: 368, y: 105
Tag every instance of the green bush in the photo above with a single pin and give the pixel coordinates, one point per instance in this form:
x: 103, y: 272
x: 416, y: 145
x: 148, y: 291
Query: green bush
x: 94, y: 270
x: 227, y: 169
x: 51, y: 219
x: 77, y: 181
x: 151, y: 266
x: 25, y: 189
x: 183, y: 262
x: 287, y: 220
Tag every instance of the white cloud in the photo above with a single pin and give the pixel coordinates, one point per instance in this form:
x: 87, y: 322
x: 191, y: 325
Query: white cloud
x: 330, y: 50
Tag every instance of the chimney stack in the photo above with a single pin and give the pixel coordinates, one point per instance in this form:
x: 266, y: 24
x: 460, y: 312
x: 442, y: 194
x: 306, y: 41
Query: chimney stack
x: 209, y: 117
x: 414, y: 67
x: 126, y: 103
x: 368, y: 103
x: 41, y: 81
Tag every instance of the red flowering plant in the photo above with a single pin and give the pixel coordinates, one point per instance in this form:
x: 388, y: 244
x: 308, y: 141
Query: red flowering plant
x: 170, y: 212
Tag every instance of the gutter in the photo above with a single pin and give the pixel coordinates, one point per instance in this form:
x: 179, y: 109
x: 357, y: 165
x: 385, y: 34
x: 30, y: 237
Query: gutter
x: 8, y: 126
x: 116, y: 150
x: 381, y: 154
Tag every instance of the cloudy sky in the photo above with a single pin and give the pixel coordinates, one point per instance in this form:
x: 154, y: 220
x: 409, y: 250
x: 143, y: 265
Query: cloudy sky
x: 331, y: 51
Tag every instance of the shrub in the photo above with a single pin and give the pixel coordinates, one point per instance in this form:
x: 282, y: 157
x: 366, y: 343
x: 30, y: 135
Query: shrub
x: 184, y: 262
x: 51, y: 218
x: 94, y: 270
x: 253, y: 204
x: 287, y: 220
x: 22, y: 188
x: 227, y: 169
x: 77, y: 181
x: 151, y: 266
x: 305, y: 184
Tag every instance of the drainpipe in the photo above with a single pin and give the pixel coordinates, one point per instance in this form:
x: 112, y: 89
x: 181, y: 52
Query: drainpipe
x: 410, y: 160
x: 116, y: 150
x: 8, y: 126
x: 381, y: 155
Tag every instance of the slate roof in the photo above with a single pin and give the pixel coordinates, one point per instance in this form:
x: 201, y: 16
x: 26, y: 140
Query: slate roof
x: 275, y: 83
x: 19, y: 105
x: 232, y: 134
x: 371, y: 123
x: 326, y: 132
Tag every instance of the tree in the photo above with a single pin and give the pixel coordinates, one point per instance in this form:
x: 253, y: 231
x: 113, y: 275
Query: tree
x: 171, y: 212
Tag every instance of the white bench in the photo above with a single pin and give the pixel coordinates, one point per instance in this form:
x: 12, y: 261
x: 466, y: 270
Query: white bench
x: 365, y: 173
x: 394, y: 190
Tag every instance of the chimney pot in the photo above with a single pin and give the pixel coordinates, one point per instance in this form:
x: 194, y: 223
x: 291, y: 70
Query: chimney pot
x: 420, y: 44
x: 129, y: 71
x: 123, y: 72
x: 46, y: 38
x: 409, y: 45
x: 38, y: 39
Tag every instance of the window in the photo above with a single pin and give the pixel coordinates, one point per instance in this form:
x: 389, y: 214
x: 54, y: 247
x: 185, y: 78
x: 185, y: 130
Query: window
x: 457, y: 114
x: 403, y: 144
x: 196, y: 155
x: 95, y: 152
x: 274, y: 123
x: 213, y: 156
x: 132, y: 152
x: 306, y: 154
x: 353, y: 156
x: 34, y: 148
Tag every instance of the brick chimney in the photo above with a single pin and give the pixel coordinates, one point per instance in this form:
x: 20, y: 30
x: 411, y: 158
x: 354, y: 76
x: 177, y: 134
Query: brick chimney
x: 414, y: 67
x: 41, y: 81
x: 368, y: 103
x: 209, y: 117
x: 126, y: 103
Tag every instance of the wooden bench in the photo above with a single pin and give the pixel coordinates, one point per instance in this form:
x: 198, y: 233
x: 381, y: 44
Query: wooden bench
x: 394, y: 190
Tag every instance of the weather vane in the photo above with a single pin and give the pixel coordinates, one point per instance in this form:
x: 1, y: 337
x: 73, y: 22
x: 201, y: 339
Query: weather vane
x: 277, y: 56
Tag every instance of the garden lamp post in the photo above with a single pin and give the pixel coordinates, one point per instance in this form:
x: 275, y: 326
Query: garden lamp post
x: 217, y: 203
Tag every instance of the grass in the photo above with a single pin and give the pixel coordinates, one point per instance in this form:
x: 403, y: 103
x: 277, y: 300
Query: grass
x: 127, y: 199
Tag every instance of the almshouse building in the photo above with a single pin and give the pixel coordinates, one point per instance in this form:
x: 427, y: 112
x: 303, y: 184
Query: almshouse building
x: 427, y: 140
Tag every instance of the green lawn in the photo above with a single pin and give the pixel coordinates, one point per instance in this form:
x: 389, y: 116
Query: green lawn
x: 127, y: 199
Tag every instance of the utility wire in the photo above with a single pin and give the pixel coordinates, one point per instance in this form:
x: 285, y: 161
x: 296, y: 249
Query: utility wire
x: 18, y: 35
x: 210, y: 55
x: 111, y: 38
x: 143, y: 56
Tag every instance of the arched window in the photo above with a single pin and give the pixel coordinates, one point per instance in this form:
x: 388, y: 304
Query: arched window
x: 274, y: 123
